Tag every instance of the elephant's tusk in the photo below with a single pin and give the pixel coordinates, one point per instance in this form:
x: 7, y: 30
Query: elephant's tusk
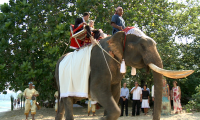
x: 171, y: 73
x: 179, y: 76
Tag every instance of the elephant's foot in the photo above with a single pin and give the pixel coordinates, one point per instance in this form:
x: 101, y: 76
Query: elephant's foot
x: 108, y: 118
x: 103, y: 118
x: 69, y: 118
x: 113, y: 115
x: 59, y: 117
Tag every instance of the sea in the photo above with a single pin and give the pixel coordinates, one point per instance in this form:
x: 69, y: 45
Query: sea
x: 5, y: 102
x: 5, y: 105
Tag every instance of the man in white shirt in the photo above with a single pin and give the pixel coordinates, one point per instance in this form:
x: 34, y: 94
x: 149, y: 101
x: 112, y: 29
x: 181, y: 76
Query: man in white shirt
x: 152, y: 95
x: 137, y: 98
x: 124, y: 99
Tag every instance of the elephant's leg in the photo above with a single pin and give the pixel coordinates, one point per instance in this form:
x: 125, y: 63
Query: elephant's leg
x: 68, y: 103
x: 60, y: 111
x: 106, y: 99
x: 115, y: 89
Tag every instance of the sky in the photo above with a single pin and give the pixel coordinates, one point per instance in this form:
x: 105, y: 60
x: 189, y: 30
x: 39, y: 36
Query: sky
x: 4, y: 1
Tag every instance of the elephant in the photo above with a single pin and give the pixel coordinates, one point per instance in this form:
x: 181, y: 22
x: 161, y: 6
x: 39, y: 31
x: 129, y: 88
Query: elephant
x: 139, y: 52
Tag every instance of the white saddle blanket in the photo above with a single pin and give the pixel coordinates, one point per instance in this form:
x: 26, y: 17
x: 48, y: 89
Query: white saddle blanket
x: 135, y: 31
x: 74, y: 71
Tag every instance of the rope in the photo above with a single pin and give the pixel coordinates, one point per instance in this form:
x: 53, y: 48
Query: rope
x: 106, y: 61
x: 106, y: 52
x: 67, y: 46
x: 103, y: 50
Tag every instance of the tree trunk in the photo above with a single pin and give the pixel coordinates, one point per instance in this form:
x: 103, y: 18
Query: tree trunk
x: 11, y: 99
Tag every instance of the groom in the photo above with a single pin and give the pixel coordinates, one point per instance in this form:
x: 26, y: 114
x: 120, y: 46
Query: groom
x: 83, y: 20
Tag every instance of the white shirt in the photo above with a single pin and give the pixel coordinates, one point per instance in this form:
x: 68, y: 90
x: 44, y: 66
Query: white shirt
x: 124, y: 92
x: 136, y: 93
x: 152, y: 93
x: 83, y: 19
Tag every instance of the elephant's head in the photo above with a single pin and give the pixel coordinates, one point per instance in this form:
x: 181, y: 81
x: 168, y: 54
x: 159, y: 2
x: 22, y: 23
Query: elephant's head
x: 141, y: 52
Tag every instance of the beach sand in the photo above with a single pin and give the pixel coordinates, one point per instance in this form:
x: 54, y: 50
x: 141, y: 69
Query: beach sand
x: 81, y: 114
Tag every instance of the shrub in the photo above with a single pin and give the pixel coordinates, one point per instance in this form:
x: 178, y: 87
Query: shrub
x: 194, y: 103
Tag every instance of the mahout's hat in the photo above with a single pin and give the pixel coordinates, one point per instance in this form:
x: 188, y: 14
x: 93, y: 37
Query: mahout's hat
x: 30, y: 83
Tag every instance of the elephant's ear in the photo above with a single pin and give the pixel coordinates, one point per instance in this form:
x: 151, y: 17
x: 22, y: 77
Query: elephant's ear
x: 116, y: 43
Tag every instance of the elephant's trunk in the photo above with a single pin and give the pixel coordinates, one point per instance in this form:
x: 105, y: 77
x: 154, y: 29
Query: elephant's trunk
x: 158, y: 87
x: 156, y: 65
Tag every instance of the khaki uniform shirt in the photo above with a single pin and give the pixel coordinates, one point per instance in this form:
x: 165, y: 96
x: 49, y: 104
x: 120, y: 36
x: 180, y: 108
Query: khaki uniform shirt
x: 29, y: 92
x: 56, y: 95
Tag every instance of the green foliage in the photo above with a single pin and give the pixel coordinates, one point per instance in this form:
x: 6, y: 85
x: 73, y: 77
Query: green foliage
x: 82, y: 101
x: 20, y: 95
x: 32, y: 40
x: 194, y: 103
x: 33, y: 36
x: 4, y: 92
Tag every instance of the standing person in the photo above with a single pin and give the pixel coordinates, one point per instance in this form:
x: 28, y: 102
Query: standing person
x: 145, y: 99
x: 147, y: 89
x: 170, y: 89
x: 176, y: 96
x: 117, y: 21
x: 137, y: 96
x: 56, y: 101
x: 166, y: 107
x: 29, y: 93
x: 92, y: 106
x: 149, y: 94
x: 152, y: 95
x: 18, y: 103
x: 124, y: 99
x: 15, y: 101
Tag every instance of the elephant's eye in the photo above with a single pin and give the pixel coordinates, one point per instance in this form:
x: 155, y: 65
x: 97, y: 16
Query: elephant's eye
x: 143, y: 47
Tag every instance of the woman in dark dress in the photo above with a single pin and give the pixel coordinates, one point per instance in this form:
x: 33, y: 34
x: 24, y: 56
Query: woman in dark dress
x: 18, y: 103
x: 145, y: 99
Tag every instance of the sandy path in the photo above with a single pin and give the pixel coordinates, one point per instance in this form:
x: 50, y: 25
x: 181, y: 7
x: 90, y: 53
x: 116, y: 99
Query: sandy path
x: 81, y: 114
